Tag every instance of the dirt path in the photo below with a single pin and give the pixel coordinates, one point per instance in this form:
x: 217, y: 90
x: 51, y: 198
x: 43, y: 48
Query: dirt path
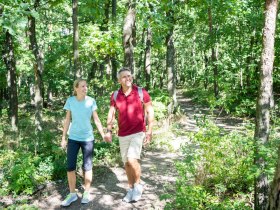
x: 191, y: 111
x: 109, y: 186
x: 158, y: 172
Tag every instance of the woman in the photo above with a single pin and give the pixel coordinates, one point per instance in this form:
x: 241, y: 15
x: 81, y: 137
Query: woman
x: 80, y: 108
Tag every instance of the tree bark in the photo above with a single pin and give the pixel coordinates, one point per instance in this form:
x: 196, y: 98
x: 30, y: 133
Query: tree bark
x: 77, y: 70
x: 107, y: 61
x: 10, y: 62
x: 113, y: 58
x: 104, y: 26
x: 38, y: 69
x: 147, y: 58
x: 3, y: 75
x: 138, y: 75
x: 114, y: 10
x: 114, y: 69
x: 92, y: 72
x: 170, y: 63
x: 206, y: 74
x: 274, y: 202
x: 171, y: 81
x: 129, y: 36
x: 213, y: 53
x: 264, y: 104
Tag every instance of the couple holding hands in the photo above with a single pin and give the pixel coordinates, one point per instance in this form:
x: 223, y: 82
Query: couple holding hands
x: 134, y: 106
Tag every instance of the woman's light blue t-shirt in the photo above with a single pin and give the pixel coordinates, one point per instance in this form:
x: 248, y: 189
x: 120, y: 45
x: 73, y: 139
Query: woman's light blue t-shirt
x: 81, y: 112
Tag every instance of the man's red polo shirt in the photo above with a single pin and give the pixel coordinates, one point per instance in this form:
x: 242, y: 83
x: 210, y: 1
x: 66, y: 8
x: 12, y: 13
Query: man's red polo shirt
x: 130, y: 111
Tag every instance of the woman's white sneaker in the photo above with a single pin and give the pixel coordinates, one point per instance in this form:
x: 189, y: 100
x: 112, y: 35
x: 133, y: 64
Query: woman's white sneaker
x: 70, y: 198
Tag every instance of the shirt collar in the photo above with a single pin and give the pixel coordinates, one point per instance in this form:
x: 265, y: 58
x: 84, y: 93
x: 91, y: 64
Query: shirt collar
x: 134, y: 88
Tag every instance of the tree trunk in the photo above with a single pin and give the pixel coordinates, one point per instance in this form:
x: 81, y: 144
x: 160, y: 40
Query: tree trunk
x: 38, y: 69
x: 129, y: 36
x: 213, y: 53
x: 114, y: 10
x: 114, y: 69
x: 50, y: 94
x: 101, y: 71
x: 147, y: 58
x: 138, y: 74
x: 104, y: 27
x: 1, y: 100
x: 92, y: 71
x: 206, y: 74
x: 274, y: 202
x: 264, y: 104
x: 249, y: 60
x: 10, y: 62
x: 77, y: 70
x: 171, y: 83
x: 2, y: 75
x: 170, y: 66
x: 108, y: 66
x: 113, y: 58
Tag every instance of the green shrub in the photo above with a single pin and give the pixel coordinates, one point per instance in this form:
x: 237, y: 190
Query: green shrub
x: 217, y: 167
x: 59, y: 163
x: 22, y: 176
x: 228, y: 158
x: 23, y: 172
x: 197, y: 197
x: 7, y: 158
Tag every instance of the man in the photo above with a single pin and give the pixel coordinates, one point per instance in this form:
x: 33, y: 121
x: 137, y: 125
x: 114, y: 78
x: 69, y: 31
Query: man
x: 132, y: 104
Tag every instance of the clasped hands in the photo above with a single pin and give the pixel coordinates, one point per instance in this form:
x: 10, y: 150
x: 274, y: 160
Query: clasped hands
x: 108, y: 138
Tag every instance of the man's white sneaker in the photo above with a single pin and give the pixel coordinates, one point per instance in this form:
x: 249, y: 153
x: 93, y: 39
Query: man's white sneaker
x: 71, y: 197
x: 137, y: 192
x: 128, y: 197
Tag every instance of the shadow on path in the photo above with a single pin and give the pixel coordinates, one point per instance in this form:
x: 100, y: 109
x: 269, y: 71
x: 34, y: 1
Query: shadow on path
x: 110, y: 184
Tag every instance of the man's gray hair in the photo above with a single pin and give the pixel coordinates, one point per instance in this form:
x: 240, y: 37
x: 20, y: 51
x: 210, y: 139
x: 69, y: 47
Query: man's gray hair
x: 121, y: 70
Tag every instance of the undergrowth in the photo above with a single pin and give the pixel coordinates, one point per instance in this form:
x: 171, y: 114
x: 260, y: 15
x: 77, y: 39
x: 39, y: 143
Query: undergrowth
x: 218, y: 170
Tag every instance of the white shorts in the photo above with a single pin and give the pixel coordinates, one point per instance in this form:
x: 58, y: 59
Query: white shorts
x: 131, y: 146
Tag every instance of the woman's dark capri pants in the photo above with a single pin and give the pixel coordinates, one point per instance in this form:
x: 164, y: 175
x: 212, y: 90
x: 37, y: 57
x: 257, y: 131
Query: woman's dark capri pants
x: 72, y: 153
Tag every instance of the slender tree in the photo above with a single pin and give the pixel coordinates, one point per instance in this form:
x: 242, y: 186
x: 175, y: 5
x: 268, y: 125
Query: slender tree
x: 10, y: 62
x: 108, y: 62
x: 148, y: 47
x: 213, y: 52
x: 113, y: 58
x: 170, y: 59
x: 147, y: 58
x: 77, y: 70
x: 264, y: 104
x: 129, y: 36
x: 3, y: 79
x: 38, y: 68
x: 114, y: 10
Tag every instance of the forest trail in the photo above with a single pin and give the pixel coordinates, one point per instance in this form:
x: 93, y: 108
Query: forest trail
x: 191, y: 111
x: 158, y: 172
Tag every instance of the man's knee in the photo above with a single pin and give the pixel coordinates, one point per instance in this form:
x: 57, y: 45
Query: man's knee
x: 131, y: 162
